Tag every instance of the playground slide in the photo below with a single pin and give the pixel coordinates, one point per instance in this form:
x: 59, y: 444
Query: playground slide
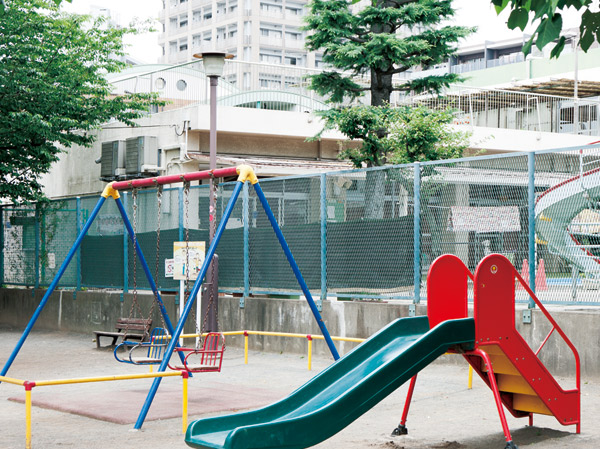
x: 341, y: 393
x: 555, y: 209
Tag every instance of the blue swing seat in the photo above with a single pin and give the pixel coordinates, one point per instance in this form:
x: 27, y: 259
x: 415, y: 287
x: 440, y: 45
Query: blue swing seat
x: 145, y: 353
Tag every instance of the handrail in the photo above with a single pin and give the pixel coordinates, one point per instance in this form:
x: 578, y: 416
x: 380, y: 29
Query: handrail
x: 555, y: 326
x: 29, y: 385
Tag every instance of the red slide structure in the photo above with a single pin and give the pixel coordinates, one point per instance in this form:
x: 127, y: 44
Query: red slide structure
x: 503, y: 359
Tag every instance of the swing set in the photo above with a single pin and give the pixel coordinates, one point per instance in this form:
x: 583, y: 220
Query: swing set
x: 199, y: 359
x: 209, y: 357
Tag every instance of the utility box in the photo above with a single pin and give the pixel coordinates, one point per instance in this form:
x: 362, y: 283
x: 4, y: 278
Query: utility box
x: 141, y: 156
x: 112, y: 163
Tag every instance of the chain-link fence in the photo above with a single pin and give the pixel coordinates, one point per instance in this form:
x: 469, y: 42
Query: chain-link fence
x: 367, y: 234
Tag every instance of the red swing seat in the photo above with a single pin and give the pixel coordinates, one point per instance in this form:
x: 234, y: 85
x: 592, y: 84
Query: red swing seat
x: 207, y: 359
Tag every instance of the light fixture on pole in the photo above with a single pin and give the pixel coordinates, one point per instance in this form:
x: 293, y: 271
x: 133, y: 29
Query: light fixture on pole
x: 213, y: 63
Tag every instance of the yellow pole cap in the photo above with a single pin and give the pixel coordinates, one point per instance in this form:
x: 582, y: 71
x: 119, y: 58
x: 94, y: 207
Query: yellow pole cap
x: 246, y: 174
x: 109, y: 191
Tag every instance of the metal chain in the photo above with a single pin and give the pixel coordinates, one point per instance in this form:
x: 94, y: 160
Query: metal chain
x: 134, y: 303
x: 159, y: 193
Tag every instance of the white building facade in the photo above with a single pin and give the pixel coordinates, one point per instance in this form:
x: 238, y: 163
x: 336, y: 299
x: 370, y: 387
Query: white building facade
x: 266, y: 31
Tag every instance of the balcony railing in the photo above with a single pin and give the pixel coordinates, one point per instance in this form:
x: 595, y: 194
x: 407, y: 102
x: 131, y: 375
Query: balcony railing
x: 491, y: 108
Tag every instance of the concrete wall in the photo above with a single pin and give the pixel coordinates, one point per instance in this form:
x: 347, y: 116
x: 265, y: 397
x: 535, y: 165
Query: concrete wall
x: 98, y: 310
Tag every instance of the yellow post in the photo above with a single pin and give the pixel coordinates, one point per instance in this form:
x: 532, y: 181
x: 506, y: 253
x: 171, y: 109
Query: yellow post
x: 309, y: 352
x: 28, y: 387
x: 184, y: 413
x: 245, y: 347
x: 470, y: 384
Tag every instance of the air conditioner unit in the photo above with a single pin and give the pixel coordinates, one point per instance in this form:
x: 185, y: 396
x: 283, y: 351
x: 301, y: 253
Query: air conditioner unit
x: 141, y: 152
x: 113, y: 159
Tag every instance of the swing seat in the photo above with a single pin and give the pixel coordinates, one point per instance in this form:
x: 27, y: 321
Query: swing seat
x: 207, y: 359
x: 145, y: 353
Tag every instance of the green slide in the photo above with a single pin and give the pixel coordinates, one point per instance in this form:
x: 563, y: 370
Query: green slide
x: 339, y: 394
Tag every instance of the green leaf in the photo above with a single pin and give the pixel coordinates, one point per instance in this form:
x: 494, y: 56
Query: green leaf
x: 518, y: 18
x: 548, y: 31
x: 500, y: 5
x: 558, y: 48
x: 589, y: 29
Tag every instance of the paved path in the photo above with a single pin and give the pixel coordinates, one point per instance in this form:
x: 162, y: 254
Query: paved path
x: 444, y: 413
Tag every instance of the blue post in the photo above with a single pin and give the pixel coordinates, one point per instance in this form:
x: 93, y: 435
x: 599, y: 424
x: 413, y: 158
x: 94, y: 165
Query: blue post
x: 417, y: 232
x: 323, y: 239
x: 294, y: 265
x: 78, y: 229
x: 531, y: 210
x: 188, y: 304
x: 246, y: 215
x: 125, y: 253
x: 52, y: 287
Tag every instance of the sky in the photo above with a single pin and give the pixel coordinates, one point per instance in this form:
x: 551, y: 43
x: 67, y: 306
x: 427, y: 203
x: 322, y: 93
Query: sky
x: 145, y: 47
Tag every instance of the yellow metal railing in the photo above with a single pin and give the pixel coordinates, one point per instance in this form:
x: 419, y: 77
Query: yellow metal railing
x: 29, y: 385
x: 309, y: 338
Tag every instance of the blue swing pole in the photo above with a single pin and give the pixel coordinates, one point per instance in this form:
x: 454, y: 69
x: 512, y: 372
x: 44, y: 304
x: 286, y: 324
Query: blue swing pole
x: 294, y: 265
x: 55, y: 281
x: 190, y: 302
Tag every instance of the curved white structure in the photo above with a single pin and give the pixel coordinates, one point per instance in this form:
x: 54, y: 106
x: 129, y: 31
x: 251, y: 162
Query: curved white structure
x: 556, y: 208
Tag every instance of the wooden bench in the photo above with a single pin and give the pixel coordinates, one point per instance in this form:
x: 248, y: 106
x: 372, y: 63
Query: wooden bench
x: 128, y: 328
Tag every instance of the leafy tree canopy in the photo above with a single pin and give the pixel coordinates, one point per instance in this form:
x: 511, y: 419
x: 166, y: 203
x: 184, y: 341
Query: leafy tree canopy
x: 547, y: 15
x: 414, y: 134
x: 53, y: 89
x: 383, y: 39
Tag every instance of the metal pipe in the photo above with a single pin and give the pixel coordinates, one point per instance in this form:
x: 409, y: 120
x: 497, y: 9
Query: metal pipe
x: 172, y: 179
x: 417, y: 233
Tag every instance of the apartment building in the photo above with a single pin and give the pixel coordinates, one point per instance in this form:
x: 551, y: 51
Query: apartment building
x: 265, y: 31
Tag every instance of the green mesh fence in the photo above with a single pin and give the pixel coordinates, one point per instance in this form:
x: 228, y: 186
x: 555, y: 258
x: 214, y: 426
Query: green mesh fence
x: 352, y: 233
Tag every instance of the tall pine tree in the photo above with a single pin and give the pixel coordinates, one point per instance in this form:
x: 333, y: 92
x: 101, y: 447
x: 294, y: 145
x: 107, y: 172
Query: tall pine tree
x: 379, y: 41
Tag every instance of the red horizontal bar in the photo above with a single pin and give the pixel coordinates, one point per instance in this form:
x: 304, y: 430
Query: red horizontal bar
x: 172, y: 179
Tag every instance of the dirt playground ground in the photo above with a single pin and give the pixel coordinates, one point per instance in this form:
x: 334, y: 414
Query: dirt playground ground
x: 444, y: 412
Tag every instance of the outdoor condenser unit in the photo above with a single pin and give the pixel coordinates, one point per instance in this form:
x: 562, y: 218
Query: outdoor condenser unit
x: 141, y: 155
x: 113, y: 159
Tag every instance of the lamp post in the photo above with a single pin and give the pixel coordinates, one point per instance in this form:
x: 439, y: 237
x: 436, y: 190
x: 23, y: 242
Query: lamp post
x: 213, y: 63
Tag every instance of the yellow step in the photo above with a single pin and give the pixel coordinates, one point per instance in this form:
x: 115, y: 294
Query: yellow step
x: 532, y: 404
x: 514, y: 384
x: 500, y: 365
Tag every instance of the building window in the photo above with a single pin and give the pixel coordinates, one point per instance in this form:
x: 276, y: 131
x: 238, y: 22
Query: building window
x: 207, y: 14
x: 181, y: 85
x: 183, y: 45
x: 196, y: 16
x: 160, y: 83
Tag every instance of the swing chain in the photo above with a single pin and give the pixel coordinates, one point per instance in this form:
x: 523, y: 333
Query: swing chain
x: 186, y: 201
x: 159, y: 193
x: 134, y: 302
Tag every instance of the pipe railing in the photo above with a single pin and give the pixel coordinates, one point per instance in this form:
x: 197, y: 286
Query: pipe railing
x: 29, y: 385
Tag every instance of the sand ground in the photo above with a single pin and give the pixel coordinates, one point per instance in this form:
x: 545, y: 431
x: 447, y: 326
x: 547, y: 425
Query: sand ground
x: 444, y: 412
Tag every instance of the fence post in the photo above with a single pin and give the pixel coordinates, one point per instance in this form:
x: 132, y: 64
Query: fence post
x: 531, y: 213
x: 1, y: 245
x: 246, y: 216
x: 323, y: 202
x: 78, y: 260
x: 37, y: 247
x: 125, y: 252
x: 417, y: 232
